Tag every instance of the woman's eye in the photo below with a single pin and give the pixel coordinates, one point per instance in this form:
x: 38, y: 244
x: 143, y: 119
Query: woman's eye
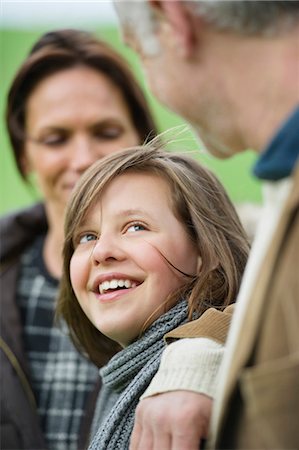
x: 108, y: 133
x: 135, y: 227
x: 87, y: 237
x: 53, y: 140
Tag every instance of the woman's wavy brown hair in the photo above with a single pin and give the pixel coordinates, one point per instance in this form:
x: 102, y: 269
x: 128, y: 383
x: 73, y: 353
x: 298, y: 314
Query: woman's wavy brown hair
x: 64, y: 49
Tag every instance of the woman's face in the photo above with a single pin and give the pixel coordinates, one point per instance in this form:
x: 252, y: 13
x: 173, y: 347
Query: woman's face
x: 73, y: 118
x: 118, y: 271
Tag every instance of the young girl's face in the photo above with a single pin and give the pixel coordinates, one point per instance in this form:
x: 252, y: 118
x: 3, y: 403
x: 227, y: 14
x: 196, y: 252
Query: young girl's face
x: 118, y: 271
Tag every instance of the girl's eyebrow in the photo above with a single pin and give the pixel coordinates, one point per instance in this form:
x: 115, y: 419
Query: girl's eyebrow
x: 134, y: 212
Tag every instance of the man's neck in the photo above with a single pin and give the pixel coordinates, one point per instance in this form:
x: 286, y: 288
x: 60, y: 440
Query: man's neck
x: 260, y: 77
x: 272, y: 77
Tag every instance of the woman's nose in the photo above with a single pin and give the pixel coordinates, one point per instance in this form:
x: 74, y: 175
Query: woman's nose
x: 107, y: 249
x: 82, y: 154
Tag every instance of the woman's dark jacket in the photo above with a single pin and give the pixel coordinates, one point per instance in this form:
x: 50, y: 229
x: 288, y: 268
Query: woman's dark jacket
x: 19, y: 420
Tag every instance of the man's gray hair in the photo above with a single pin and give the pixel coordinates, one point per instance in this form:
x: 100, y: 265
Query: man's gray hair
x: 250, y: 17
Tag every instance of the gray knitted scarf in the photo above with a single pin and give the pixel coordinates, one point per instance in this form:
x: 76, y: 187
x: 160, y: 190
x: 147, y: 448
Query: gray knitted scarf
x: 127, y: 376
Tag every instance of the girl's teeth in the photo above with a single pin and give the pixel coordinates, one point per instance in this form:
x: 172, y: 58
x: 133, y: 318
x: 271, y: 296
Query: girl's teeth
x: 113, y: 284
x: 106, y: 285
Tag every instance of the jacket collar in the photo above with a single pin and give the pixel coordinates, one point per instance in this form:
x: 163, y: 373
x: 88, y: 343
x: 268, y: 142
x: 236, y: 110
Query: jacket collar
x: 20, y: 228
x: 279, y: 158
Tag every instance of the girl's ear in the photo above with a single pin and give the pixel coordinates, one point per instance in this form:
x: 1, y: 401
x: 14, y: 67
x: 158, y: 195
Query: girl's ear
x: 199, y: 264
x: 179, y: 18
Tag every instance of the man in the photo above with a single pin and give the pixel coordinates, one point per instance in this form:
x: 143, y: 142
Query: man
x: 231, y: 69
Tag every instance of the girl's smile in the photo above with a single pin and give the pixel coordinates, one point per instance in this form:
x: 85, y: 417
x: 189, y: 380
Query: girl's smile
x: 114, y: 285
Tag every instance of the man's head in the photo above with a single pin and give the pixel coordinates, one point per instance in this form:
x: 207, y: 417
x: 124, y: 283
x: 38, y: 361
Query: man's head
x: 228, y: 67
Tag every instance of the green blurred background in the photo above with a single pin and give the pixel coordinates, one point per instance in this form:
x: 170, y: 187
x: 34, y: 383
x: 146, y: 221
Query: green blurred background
x: 15, y: 44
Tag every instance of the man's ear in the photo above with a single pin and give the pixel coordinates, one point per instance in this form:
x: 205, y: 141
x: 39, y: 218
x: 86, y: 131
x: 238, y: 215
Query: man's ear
x: 179, y: 18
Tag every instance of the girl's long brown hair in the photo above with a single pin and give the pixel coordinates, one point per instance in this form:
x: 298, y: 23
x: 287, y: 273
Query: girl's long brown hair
x: 199, y: 201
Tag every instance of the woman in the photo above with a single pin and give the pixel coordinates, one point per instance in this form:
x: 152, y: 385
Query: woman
x: 136, y: 263
x: 72, y: 101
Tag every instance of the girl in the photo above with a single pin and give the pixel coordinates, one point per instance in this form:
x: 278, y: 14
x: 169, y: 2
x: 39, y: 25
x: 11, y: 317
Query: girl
x: 152, y: 241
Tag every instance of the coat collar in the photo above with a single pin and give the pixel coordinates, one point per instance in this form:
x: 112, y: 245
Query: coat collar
x: 280, y: 157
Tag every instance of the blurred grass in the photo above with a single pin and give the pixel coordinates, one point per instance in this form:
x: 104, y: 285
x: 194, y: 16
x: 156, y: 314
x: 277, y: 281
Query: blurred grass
x: 14, y: 193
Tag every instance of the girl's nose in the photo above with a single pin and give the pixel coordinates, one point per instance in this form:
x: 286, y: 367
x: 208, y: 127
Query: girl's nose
x: 107, y: 249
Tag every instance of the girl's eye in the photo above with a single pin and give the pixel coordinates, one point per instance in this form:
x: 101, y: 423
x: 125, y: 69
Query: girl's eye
x: 135, y: 227
x: 87, y: 237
